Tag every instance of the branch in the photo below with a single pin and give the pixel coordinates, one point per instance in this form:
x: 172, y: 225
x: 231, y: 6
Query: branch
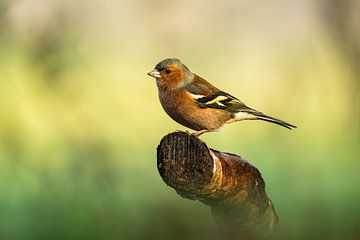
x: 231, y: 186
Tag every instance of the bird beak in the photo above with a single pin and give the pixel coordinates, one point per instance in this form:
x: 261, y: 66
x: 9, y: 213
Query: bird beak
x: 154, y: 73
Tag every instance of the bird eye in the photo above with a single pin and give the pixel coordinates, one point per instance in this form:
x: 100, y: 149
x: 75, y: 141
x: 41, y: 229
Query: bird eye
x: 167, y: 71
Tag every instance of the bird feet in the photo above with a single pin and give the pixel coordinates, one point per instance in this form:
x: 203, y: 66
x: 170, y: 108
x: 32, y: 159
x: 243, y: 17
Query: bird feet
x: 199, y: 133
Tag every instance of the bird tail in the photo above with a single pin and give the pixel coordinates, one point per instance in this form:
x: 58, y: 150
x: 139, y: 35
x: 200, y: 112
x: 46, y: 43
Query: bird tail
x: 266, y: 118
x: 252, y: 114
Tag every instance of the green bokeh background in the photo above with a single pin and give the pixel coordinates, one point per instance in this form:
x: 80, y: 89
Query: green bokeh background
x: 80, y: 120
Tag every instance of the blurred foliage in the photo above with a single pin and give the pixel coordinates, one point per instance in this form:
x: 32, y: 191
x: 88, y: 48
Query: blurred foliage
x: 80, y: 120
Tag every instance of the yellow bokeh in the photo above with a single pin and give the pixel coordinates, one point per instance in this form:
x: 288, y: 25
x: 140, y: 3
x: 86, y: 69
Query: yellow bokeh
x: 80, y: 120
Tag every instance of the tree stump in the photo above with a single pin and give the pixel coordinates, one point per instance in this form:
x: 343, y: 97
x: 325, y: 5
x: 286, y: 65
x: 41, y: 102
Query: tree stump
x: 230, y: 185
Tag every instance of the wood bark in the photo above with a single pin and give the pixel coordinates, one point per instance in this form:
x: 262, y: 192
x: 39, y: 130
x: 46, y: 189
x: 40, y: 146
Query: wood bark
x: 230, y: 185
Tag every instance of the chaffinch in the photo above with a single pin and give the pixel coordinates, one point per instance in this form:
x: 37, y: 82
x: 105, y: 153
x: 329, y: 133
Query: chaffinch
x: 195, y: 103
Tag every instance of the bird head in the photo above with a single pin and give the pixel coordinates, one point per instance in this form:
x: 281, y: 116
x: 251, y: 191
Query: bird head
x: 171, y: 73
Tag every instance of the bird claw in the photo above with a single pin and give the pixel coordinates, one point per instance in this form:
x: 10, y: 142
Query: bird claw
x: 199, y: 133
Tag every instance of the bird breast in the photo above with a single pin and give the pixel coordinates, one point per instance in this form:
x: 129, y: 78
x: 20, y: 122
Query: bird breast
x: 181, y: 107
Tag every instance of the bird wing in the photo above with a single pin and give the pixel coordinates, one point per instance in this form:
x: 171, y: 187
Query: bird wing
x: 210, y: 97
x: 200, y: 89
x: 221, y: 100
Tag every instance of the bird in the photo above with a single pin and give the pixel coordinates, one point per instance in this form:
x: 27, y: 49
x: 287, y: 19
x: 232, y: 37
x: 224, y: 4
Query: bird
x: 197, y: 104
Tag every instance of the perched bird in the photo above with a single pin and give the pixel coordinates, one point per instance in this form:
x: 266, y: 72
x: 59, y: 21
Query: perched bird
x: 195, y: 103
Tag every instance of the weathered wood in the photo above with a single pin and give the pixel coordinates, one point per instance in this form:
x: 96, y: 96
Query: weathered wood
x: 231, y: 186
